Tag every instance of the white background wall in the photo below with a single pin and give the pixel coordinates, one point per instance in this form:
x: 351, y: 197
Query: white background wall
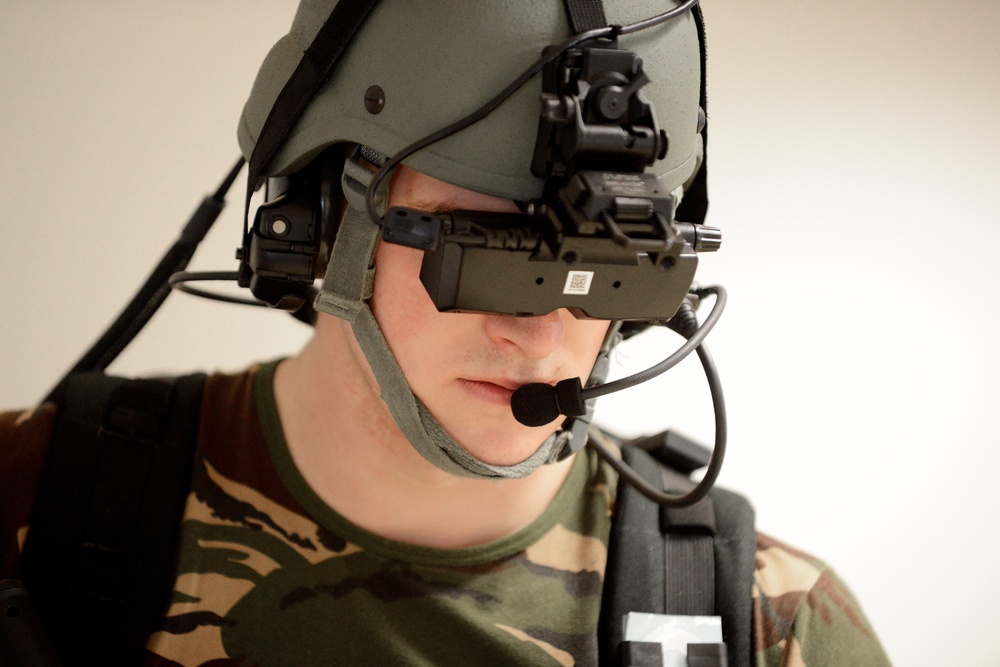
x: 853, y: 165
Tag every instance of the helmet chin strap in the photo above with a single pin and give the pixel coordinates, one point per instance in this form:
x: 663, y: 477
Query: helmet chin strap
x: 346, y: 289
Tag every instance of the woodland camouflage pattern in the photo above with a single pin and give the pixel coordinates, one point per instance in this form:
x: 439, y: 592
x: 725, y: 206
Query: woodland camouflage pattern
x: 269, y: 575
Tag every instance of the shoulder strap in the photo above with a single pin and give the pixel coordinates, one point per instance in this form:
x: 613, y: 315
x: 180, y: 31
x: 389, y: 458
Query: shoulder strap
x: 99, y: 556
x: 585, y: 15
x: 696, y: 560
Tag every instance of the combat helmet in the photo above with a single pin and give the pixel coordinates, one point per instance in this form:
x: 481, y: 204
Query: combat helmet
x: 412, y: 69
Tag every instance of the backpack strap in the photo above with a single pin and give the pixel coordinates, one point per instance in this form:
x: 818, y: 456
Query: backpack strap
x: 695, y: 561
x: 100, y: 554
x: 585, y: 15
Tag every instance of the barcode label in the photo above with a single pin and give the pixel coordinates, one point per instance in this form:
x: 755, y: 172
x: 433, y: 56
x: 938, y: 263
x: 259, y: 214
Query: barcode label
x: 578, y: 282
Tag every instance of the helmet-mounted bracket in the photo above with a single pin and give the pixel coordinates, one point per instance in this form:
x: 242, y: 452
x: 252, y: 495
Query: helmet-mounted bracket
x: 594, y: 114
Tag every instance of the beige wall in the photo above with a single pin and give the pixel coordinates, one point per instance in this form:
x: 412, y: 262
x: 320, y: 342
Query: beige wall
x: 853, y: 168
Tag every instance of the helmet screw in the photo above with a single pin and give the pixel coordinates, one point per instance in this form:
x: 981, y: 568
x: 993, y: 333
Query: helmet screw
x: 374, y: 99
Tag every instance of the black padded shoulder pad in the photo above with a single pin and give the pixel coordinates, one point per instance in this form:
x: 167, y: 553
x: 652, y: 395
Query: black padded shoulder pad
x: 697, y: 560
x: 99, y: 557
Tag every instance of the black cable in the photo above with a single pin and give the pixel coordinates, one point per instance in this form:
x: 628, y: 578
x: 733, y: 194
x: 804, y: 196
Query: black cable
x: 602, y: 447
x: 658, y: 19
x: 179, y: 280
x: 227, y: 182
x: 151, y: 295
x: 694, y: 338
x: 473, y: 117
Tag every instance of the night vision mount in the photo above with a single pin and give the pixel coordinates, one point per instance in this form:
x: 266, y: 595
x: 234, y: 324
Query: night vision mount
x: 601, y: 241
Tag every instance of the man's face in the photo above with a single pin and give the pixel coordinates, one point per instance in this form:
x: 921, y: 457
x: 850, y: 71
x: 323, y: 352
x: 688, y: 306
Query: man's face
x: 464, y: 366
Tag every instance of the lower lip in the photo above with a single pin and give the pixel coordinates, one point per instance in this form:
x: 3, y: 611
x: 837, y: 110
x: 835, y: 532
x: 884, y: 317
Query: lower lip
x: 489, y: 392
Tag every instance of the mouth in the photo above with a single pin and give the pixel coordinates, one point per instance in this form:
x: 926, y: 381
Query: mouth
x: 496, y: 391
x: 487, y: 391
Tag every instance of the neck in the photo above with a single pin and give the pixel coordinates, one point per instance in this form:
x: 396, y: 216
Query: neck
x: 350, y: 451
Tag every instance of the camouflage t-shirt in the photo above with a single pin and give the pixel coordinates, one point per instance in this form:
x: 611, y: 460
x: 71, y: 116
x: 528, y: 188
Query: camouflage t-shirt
x: 268, y: 574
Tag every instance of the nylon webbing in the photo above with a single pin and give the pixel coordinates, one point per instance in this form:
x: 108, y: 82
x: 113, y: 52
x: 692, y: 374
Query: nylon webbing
x: 689, y: 581
x: 585, y: 15
x: 735, y: 565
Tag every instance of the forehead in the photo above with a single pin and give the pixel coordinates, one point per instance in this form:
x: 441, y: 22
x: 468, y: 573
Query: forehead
x: 414, y: 189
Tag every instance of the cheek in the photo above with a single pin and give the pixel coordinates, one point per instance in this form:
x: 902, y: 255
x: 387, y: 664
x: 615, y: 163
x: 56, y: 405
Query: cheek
x: 588, y: 336
x: 399, y: 302
x: 410, y: 323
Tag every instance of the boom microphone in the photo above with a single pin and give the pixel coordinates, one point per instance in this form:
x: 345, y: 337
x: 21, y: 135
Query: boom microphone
x: 537, y: 403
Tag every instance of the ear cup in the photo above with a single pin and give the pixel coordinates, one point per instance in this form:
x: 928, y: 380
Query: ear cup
x: 289, y: 243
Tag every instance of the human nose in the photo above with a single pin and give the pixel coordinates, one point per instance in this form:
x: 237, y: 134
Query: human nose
x: 537, y: 336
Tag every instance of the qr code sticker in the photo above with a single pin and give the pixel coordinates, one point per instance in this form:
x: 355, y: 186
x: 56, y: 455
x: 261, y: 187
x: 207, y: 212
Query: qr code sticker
x: 578, y: 282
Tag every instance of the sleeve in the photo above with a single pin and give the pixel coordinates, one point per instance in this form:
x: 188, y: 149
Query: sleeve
x: 24, y: 438
x: 805, y: 615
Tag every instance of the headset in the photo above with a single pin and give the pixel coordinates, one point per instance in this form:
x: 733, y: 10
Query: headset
x: 604, y: 239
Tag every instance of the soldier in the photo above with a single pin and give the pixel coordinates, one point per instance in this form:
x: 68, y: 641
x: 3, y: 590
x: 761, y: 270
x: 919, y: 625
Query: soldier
x: 373, y: 500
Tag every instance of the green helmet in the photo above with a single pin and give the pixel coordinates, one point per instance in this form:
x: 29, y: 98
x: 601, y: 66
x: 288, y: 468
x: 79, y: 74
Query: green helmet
x: 414, y: 68
x: 434, y: 63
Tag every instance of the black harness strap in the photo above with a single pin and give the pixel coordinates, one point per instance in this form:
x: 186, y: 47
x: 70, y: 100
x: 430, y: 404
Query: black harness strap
x: 100, y: 553
x: 585, y: 15
x: 693, y: 561
x: 318, y: 62
x: 735, y: 547
x: 634, y: 579
x: 689, y: 582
